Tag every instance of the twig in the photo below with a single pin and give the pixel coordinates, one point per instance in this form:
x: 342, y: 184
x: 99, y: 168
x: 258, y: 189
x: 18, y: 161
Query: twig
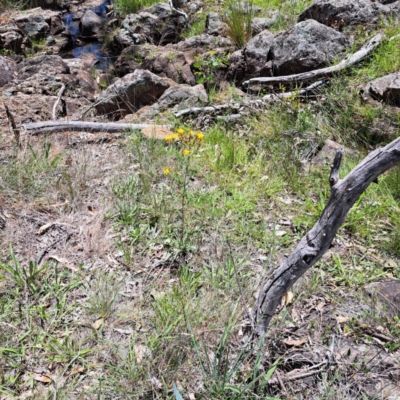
x: 50, y: 246
x: 17, y: 134
x: 60, y: 93
x: 184, y: 15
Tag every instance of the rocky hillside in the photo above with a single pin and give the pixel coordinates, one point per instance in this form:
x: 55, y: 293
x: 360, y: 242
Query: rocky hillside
x: 158, y: 161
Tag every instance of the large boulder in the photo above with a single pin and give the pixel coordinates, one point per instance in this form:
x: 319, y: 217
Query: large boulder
x: 340, y: 13
x: 11, y: 38
x: 91, y: 24
x: 306, y: 46
x: 157, y: 25
x: 257, y: 54
x: 385, y: 89
x: 163, y: 61
x: 132, y: 92
x: 8, y: 69
x: 37, y: 28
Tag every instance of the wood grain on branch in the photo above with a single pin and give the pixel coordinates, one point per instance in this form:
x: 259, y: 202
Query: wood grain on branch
x: 35, y: 128
x: 269, y: 98
x: 347, y: 62
x: 60, y: 93
x: 344, y: 193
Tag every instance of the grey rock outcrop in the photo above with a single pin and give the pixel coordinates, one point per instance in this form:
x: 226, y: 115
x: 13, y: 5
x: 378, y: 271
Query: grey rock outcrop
x: 11, y: 38
x: 215, y: 25
x: 91, y: 24
x: 340, y: 13
x: 385, y: 89
x: 306, y: 46
x: 157, y: 24
x: 257, y: 54
x: 260, y: 24
x: 132, y: 92
x: 8, y: 69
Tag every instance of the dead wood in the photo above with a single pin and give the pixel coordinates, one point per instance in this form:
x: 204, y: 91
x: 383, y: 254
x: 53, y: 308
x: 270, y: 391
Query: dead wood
x: 35, y: 128
x: 347, y: 62
x: 60, y: 93
x: 269, y: 98
x: 344, y: 193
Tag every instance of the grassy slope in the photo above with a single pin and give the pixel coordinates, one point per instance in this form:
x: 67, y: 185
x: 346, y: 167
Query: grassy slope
x: 155, y: 271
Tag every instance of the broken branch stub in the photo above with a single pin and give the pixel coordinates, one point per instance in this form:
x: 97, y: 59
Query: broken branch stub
x: 344, y: 193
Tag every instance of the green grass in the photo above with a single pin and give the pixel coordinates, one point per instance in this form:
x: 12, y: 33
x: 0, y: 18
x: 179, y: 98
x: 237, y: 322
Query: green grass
x: 125, y: 7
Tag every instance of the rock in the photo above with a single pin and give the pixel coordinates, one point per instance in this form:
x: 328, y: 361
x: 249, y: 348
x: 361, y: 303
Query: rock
x: 183, y: 96
x: 56, y: 25
x: 386, y: 89
x: 340, y: 13
x: 8, y: 68
x: 157, y: 24
x: 260, y: 24
x: 36, y: 28
x: 50, y: 41
x: 257, y: 53
x: 306, y: 46
x: 156, y: 132
x: 385, y: 295
x: 237, y: 67
x: 11, y: 38
x: 91, y: 24
x: 164, y: 61
x: 326, y: 155
x: 50, y: 65
x: 204, y: 42
x: 215, y: 25
x: 132, y: 92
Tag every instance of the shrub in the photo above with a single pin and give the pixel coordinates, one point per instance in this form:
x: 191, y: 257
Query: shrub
x: 125, y: 7
x: 238, y: 17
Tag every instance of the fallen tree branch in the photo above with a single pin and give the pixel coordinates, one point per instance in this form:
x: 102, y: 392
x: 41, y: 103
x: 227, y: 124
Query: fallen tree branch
x: 347, y: 62
x: 35, y: 128
x: 60, y: 93
x: 184, y: 15
x: 269, y: 98
x: 344, y: 193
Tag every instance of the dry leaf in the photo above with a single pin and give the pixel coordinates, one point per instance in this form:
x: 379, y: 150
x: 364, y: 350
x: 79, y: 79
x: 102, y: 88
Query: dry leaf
x: 44, y: 378
x: 44, y: 228
x: 296, y: 343
x: 140, y: 352
x: 289, y: 297
x: 76, y: 370
x: 342, y: 320
x: 64, y: 262
x: 98, y: 324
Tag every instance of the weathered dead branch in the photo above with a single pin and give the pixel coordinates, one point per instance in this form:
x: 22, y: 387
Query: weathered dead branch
x: 17, y: 134
x: 347, y: 62
x: 344, y: 193
x: 269, y: 98
x: 60, y: 93
x: 35, y: 128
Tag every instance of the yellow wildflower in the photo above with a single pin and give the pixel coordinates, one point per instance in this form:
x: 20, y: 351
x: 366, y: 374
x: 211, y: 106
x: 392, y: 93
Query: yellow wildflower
x: 175, y: 136
x: 186, y: 152
x: 166, y: 171
x: 200, y: 135
x: 181, y: 131
x: 168, y: 138
x: 191, y: 132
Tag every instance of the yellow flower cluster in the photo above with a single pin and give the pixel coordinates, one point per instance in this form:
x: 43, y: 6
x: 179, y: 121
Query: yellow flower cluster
x: 187, y: 138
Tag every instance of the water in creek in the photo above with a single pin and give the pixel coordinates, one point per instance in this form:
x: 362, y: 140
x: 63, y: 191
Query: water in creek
x: 93, y: 46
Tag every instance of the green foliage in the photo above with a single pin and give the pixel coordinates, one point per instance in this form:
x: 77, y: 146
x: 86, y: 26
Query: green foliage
x: 206, y: 65
x: 125, y: 7
x: 238, y: 16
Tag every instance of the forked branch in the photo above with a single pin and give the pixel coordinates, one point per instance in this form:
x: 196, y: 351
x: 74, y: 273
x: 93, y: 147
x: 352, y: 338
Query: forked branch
x: 344, y: 193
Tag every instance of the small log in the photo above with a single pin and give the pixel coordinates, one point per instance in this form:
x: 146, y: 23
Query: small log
x: 35, y: 128
x: 347, y: 62
x: 269, y: 98
x: 344, y: 193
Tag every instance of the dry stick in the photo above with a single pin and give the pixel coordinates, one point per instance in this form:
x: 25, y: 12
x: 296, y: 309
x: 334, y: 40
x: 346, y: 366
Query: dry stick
x: 184, y: 15
x: 269, y: 98
x: 344, y: 193
x: 347, y: 62
x: 60, y: 93
x: 16, y: 131
x: 35, y: 128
